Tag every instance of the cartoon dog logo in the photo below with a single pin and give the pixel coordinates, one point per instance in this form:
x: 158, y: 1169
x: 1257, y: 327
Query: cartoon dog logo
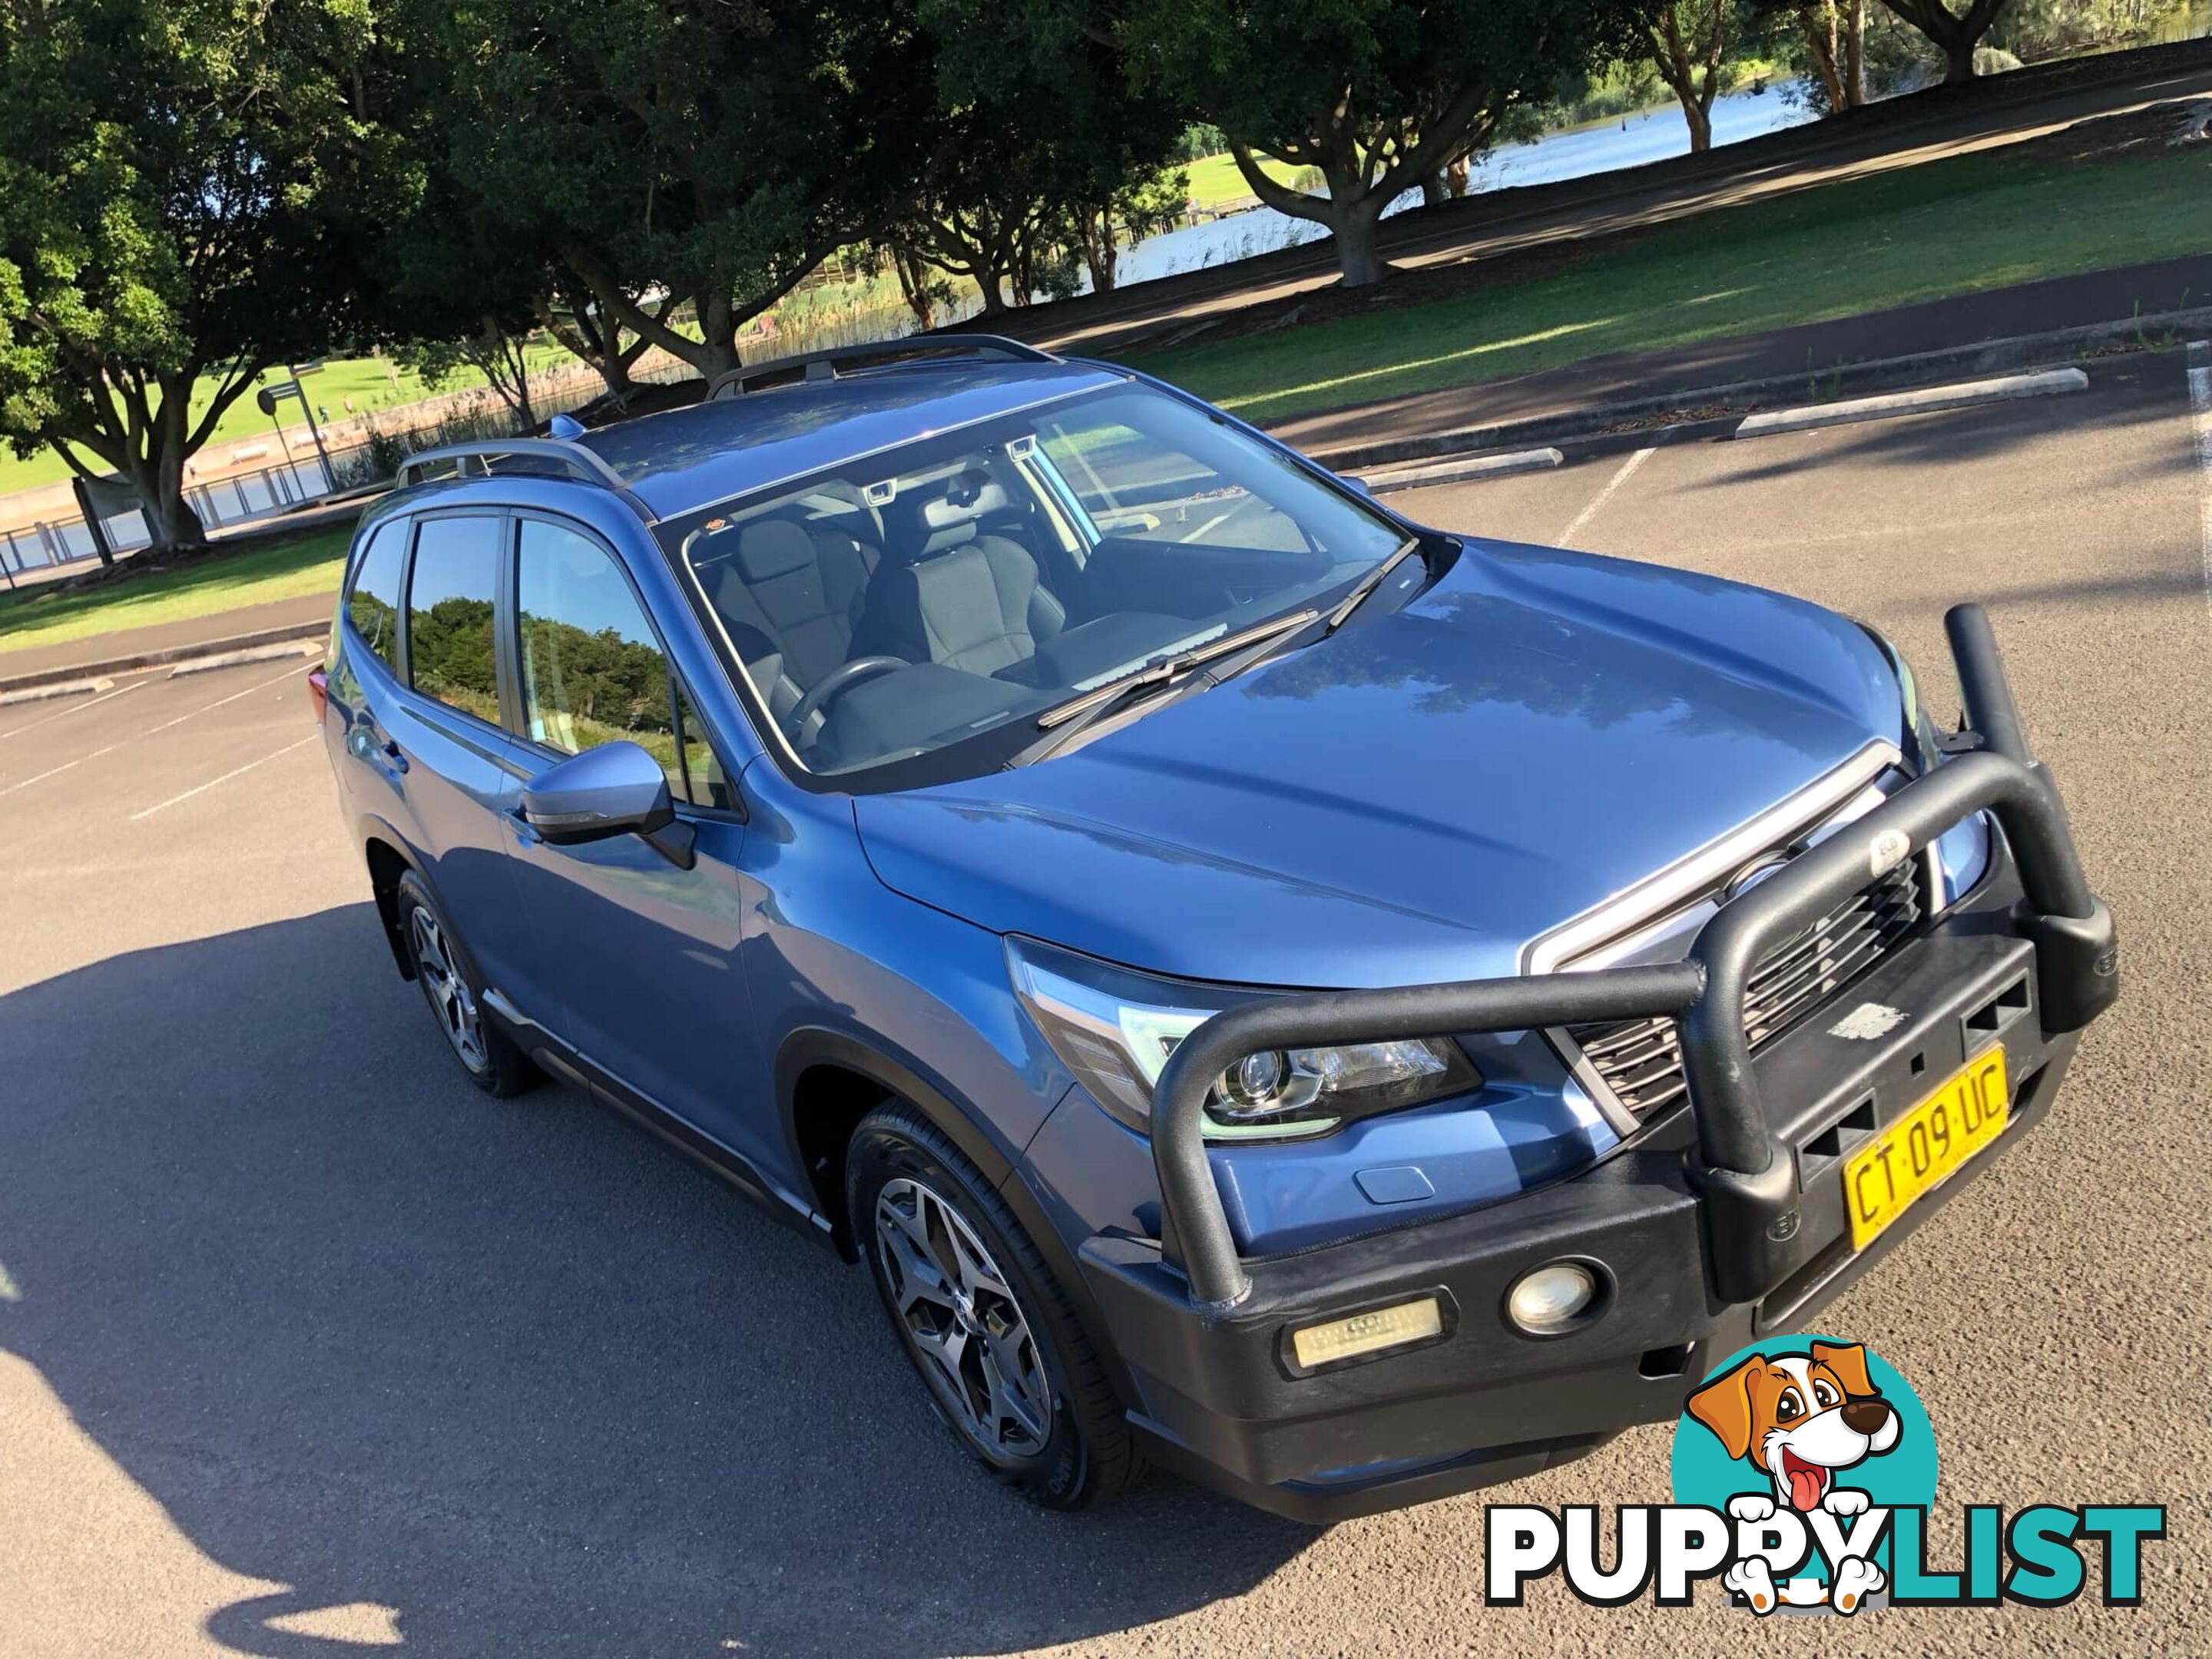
x: 1799, y: 1419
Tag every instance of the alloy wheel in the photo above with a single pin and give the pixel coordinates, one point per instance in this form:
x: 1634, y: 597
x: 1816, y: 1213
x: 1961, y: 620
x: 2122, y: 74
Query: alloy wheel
x: 451, y: 999
x: 959, y: 1313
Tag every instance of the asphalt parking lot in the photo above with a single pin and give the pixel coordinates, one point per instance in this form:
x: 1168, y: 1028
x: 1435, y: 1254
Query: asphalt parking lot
x: 307, y: 1349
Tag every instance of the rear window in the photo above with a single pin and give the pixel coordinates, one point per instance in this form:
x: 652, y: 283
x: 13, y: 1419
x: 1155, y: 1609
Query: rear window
x: 372, y: 604
x: 449, y: 614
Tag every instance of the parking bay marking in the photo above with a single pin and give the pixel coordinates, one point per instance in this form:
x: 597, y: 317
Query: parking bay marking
x: 1627, y: 470
x: 56, y: 771
x: 236, y: 771
x: 75, y: 708
x: 2200, y: 402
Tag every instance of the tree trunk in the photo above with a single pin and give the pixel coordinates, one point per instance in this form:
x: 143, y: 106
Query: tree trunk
x: 170, y: 521
x: 913, y: 285
x: 1101, y: 247
x: 1700, y: 124
x: 1853, y: 72
x: 1957, y: 60
x: 1354, y: 224
x: 1434, y: 192
x: 1817, y: 24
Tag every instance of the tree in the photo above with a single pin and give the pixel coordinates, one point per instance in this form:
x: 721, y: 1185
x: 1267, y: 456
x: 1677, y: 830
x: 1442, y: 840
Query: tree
x: 1043, y: 159
x: 494, y: 349
x: 188, y: 191
x: 1690, y: 40
x: 1956, y: 34
x: 1834, y: 33
x: 1141, y: 207
x: 1378, y: 95
x: 709, y: 157
x: 566, y: 310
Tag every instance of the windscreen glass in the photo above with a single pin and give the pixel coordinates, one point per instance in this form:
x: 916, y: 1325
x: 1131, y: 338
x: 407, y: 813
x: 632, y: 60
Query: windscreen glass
x: 937, y: 598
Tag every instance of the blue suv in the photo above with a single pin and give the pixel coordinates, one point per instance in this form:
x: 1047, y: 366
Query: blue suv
x: 1346, y: 1011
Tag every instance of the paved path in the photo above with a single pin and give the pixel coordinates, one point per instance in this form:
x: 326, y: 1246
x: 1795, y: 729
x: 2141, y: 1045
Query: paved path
x: 1809, y: 351
x: 1535, y: 215
x: 307, y: 609
x: 307, y: 1349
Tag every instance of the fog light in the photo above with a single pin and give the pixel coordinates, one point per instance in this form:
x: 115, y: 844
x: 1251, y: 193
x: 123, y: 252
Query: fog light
x: 1368, y: 1333
x: 1551, y: 1298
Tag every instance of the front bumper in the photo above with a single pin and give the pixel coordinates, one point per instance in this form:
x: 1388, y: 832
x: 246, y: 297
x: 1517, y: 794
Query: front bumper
x: 1720, y: 1225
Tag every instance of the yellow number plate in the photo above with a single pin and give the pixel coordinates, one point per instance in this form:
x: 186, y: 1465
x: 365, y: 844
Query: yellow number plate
x: 1883, y: 1178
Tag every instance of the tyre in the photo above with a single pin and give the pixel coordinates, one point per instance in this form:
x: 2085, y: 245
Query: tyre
x: 981, y: 1317
x: 455, y: 993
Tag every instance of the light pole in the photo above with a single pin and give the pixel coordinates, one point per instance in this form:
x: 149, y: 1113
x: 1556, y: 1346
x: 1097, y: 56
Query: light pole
x: 329, y: 479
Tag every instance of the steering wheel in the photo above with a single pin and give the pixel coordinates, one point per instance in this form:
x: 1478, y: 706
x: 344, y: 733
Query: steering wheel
x: 837, y: 682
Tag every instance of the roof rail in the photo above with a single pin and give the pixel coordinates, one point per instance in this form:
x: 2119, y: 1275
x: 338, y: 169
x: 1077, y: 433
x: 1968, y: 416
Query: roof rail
x: 585, y: 465
x: 824, y: 365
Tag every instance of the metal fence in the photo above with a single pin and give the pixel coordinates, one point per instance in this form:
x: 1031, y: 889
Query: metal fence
x: 238, y: 498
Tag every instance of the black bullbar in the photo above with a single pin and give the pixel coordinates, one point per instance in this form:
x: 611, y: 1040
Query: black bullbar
x: 1743, y: 1175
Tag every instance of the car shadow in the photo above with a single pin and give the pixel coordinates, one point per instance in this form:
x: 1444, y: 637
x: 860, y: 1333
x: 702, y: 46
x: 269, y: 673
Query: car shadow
x: 512, y: 1370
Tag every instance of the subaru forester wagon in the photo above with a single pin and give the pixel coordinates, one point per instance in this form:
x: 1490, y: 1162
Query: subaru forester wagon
x: 1345, y: 1012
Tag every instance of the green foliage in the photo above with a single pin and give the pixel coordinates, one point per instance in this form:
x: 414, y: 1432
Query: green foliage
x: 1380, y: 94
x: 1199, y: 140
x: 715, y: 153
x: 609, y: 687
x: 1043, y: 158
x: 449, y: 652
x: 2034, y: 30
x: 185, y: 185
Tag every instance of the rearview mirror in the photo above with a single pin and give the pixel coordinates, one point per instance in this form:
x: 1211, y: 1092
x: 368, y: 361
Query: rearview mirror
x: 616, y: 789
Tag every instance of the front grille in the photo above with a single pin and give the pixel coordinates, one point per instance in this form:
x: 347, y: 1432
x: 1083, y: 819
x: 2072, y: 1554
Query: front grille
x: 1641, y: 1060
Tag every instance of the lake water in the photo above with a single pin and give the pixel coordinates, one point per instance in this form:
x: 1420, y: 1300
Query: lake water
x: 1649, y: 136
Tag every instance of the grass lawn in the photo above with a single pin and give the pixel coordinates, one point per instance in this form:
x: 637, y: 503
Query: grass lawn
x: 218, y: 581
x: 1920, y: 233
x: 1215, y: 178
x: 371, y: 383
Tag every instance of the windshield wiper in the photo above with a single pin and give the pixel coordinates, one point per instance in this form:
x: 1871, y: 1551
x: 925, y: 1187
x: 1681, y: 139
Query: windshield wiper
x: 1064, y: 720
x: 1367, y: 585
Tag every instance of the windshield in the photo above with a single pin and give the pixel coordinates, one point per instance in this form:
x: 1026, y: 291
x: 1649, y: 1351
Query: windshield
x: 915, y: 602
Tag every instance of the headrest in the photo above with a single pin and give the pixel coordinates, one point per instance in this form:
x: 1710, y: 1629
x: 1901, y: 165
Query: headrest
x: 967, y: 498
x: 952, y: 536
x: 769, y: 548
x: 951, y: 519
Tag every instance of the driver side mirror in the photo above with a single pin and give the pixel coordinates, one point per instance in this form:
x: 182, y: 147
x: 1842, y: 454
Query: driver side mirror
x: 616, y: 789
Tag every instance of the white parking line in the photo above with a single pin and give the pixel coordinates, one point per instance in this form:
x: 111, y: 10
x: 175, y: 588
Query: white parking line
x: 56, y: 771
x: 2200, y: 399
x: 1627, y: 470
x: 235, y: 771
x: 74, y: 708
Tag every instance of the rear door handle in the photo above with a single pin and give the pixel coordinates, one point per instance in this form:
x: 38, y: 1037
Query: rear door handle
x: 390, y: 751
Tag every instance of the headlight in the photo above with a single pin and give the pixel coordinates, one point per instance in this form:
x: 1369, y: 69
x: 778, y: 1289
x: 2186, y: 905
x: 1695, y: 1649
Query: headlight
x: 1917, y: 734
x: 1115, y: 1029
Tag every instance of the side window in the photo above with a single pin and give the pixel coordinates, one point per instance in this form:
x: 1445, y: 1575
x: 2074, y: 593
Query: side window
x: 593, y: 671
x: 372, y: 602
x: 449, y: 613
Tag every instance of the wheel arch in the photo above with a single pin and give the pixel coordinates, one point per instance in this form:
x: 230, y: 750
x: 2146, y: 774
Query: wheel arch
x: 387, y: 862
x: 828, y: 1080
